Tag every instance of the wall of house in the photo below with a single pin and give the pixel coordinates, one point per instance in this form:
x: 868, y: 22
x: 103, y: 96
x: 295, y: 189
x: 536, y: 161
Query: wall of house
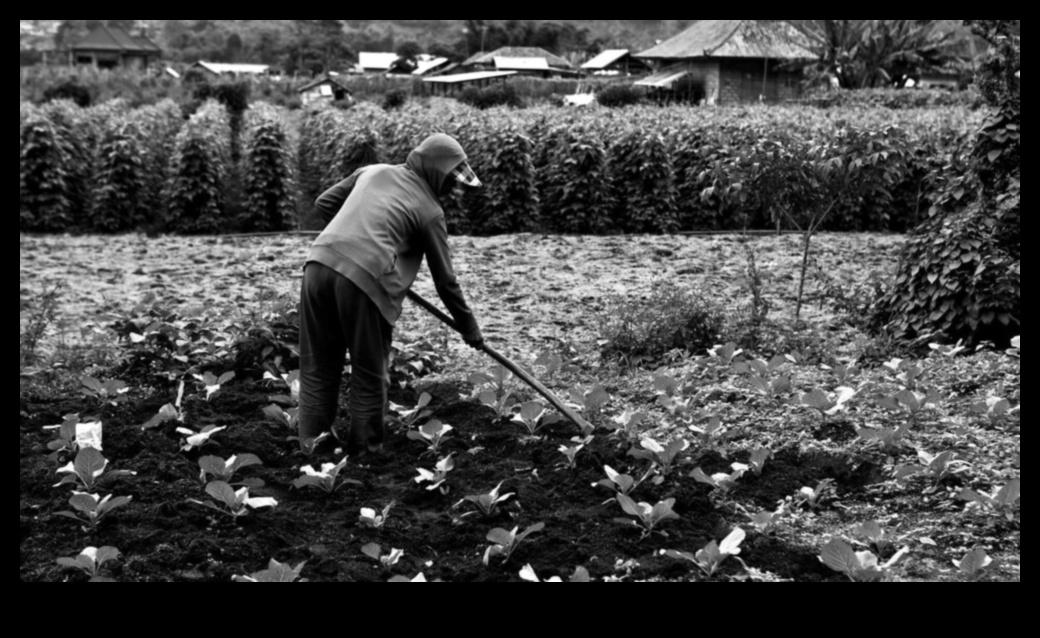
x: 742, y: 81
x: 706, y: 74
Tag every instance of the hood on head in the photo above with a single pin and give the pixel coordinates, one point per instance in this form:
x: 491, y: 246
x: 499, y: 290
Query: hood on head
x: 437, y: 156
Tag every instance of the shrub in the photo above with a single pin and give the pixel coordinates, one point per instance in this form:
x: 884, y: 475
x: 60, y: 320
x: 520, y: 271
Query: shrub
x: 670, y: 317
x: 643, y: 184
x: 157, y: 127
x: 45, y: 192
x: 507, y: 201
x: 394, y: 99
x: 120, y: 197
x: 270, y: 187
x: 575, y: 198
x: 198, y: 171
x: 619, y: 95
x: 496, y: 95
x: 71, y: 90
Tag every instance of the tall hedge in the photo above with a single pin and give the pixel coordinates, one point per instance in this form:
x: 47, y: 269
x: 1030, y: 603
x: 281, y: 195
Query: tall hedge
x: 46, y: 199
x: 195, y: 191
x: 157, y: 126
x: 643, y: 184
x: 120, y: 199
x: 269, y: 169
x: 575, y: 195
x: 508, y: 200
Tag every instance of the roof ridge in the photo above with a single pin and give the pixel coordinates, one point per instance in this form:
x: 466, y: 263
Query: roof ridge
x: 729, y: 37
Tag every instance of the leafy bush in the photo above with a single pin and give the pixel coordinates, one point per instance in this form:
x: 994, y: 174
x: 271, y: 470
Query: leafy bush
x: 670, y: 317
x: 508, y: 200
x: 70, y: 90
x: 394, y: 99
x: 270, y: 187
x: 641, y: 179
x: 574, y: 197
x: 198, y: 170
x: 619, y: 95
x: 45, y: 193
x: 496, y: 95
x: 120, y: 195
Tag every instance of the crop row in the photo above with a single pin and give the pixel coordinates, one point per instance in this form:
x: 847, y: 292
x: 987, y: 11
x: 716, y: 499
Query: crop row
x: 636, y: 170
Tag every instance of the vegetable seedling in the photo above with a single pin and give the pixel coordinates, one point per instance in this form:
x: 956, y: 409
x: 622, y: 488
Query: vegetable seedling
x: 92, y: 510
x: 591, y: 401
x: 710, y: 433
x: 438, y: 476
x: 88, y: 469
x: 993, y: 408
x: 871, y: 533
x: 533, y: 417
x: 765, y: 521
x: 375, y: 552
x: 404, y: 579
x: 1002, y: 501
x: 292, y: 383
x: 721, y: 481
x: 661, y: 457
x: 570, y: 452
x: 211, y: 383
x: 888, y: 438
x: 814, y: 497
x: 580, y: 575
x: 234, y: 503
x: 433, y: 433
x: 628, y: 422
x: 940, y: 466
x: 758, y: 459
x: 648, y: 517
x: 290, y: 418
x: 193, y: 439
x: 324, y: 479
x: 714, y: 554
x: 668, y: 394
x: 223, y: 470
x: 505, y: 542
x: 845, y: 373
x: 857, y: 566
x: 948, y: 350
x: 275, y: 573
x: 169, y: 412
x: 725, y: 355
x: 828, y: 404
x: 622, y: 484
x: 488, y: 503
x: 73, y: 435
x: 90, y: 561
x: 416, y: 414
x: 371, y: 518
x: 913, y: 403
x: 110, y: 391
x: 974, y: 563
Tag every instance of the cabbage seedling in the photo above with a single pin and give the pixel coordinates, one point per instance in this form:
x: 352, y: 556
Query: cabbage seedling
x: 88, y: 469
x: 814, y: 497
x: 437, y: 477
x: 974, y: 563
x: 661, y: 457
x: 828, y: 404
x: 530, y: 416
x: 73, y: 435
x: 759, y: 458
x: 90, y: 561
x: 92, y: 509
x: 712, y: 431
x: 648, y: 517
x: 110, y: 391
x: 433, y: 433
x: 590, y: 401
x: 488, y: 503
x: 234, y: 503
x: 857, y: 566
x: 628, y: 422
x: 374, y: 551
x: 292, y: 382
x: 888, y: 438
x: 419, y: 412
x: 725, y: 355
x: 198, y: 439
x: 371, y: 518
x: 224, y: 470
x: 580, y: 575
x: 714, y: 554
x: 289, y: 418
x: 324, y: 479
x: 913, y: 403
x: 1002, y: 501
x: 211, y: 383
x: 404, y: 579
x: 275, y: 573
x: 505, y: 542
x: 571, y: 451
x: 169, y: 412
x: 993, y: 408
x: 720, y: 481
x: 940, y: 466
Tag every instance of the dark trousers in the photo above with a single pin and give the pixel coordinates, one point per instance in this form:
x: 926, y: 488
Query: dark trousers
x: 336, y: 316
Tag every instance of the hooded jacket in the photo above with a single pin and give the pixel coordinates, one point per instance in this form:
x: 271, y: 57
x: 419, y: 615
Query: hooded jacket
x: 383, y: 219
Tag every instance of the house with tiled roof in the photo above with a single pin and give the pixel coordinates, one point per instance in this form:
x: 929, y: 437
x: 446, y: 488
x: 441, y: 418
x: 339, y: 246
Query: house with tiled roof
x: 730, y: 61
x: 108, y: 47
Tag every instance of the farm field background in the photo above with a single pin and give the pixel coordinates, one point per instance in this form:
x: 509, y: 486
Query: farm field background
x: 830, y: 475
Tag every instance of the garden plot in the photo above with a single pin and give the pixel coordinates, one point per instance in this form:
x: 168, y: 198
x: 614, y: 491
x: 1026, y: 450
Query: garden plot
x: 716, y: 465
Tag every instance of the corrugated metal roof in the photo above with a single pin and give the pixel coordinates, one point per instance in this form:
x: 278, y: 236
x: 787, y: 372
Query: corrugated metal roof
x: 220, y: 67
x: 605, y: 59
x: 519, y: 52
x: 324, y: 79
x: 774, y: 39
x: 377, y: 61
x: 663, y: 79
x: 469, y: 77
x: 521, y: 64
x: 425, y: 66
x: 105, y: 38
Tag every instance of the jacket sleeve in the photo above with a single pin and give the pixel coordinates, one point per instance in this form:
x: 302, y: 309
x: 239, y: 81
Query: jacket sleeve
x: 329, y: 202
x: 438, y: 258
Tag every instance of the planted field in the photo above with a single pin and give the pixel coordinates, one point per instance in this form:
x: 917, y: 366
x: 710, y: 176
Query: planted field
x: 817, y: 454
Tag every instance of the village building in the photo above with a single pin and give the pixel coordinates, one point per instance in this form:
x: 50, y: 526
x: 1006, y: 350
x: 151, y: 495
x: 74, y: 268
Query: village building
x: 522, y: 60
x: 730, y: 61
x: 376, y: 62
x: 324, y: 88
x: 218, y: 69
x: 615, y: 62
x: 108, y: 47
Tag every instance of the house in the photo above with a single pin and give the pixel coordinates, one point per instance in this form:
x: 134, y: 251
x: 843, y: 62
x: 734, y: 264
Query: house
x: 956, y: 50
x: 324, y: 88
x: 371, y: 62
x: 615, y: 62
x: 108, y: 47
x: 450, y: 84
x: 428, y: 64
x: 730, y: 61
x: 524, y: 60
x: 234, y: 70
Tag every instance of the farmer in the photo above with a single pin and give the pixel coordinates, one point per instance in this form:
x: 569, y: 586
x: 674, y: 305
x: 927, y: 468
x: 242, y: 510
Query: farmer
x: 383, y: 220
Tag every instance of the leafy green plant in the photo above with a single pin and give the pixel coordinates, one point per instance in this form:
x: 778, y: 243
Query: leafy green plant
x: 661, y: 457
x: 375, y: 519
x: 759, y: 458
x: 814, y: 497
x: 168, y: 412
x: 590, y: 401
x: 720, y: 481
x: 375, y: 552
x: 90, y: 561
x: 211, y: 383
x: 497, y: 397
x: 290, y: 417
x: 622, y: 484
x: 326, y: 479
x: 433, y: 433
x: 504, y: 542
x: 87, y: 470
x: 199, y: 169
x: 974, y: 564
x: 870, y: 534
x: 121, y: 183
x: 642, y: 183
x: 711, y: 432
x: 48, y: 190
x: 628, y: 422
x: 92, y: 509
x: 709, y: 559
x: 419, y: 412
x: 765, y: 521
x: 195, y: 439
x: 404, y: 579
x: 508, y: 200
x: 572, y: 182
x: 275, y: 573
x: 270, y: 188
x: 648, y: 517
x: 580, y: 575
x: 73, y: 435
x: 857, y: 566
x: 828, y: 403
x: 109, y: 391
x: 910, y: 402
x: 570, y: 452
x: 887, y: 438
x: 1002, y: 501
x: 488, y: 503
x: 234, y: 503
x: 224, y: 470
x: 993, y: 408
x: 438, y: 476
x: 941, y: 466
